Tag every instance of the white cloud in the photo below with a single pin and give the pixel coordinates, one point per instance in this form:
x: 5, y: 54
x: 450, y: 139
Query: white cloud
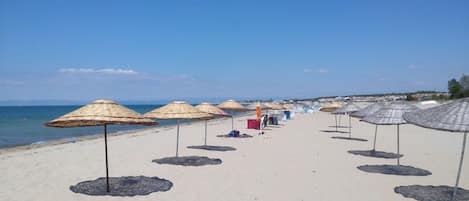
x: 112, y: 71
x: 321, y: 70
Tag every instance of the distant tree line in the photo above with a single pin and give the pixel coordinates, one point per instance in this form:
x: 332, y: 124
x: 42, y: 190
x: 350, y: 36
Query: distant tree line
x: 459, y: 89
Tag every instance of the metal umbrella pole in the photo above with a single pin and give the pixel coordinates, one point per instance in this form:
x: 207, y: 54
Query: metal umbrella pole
x: 374, y: 141
x: 340, y: 117
x: 398, y: 153
x: 232, y: 122
x: 350, y: 126
x: 206, y: 132
x: 177, y: 139
x: 107, y: 163
x: 453, y: 198
x: 335, y: 116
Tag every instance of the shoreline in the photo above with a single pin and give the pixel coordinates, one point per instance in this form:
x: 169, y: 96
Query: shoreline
x: 69, y: 140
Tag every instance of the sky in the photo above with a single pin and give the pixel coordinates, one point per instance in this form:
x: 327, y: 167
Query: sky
x: 167, y: 50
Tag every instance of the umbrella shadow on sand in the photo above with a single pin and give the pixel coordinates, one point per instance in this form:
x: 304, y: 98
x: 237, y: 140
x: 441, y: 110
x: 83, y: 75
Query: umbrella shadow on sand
x: 333, y: 131
x: 349, y: 138
x: 123, y: 186
x: 339, y: 126
x: 422, y: 193
x: 401, y: 170
x: 189, y: 161
x: 375, y: 154
x: 212, y: 148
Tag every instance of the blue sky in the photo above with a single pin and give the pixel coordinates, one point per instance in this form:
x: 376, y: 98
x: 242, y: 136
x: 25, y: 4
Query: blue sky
x: 163, y: 50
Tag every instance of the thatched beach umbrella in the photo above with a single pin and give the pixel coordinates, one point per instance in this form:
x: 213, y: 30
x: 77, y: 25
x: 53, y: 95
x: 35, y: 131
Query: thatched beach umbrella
x: 233, y: 106
x: 331, y: 107
x: 274, y: 106
x: 453, y: 117
x: 391, y: 115
x: 368, y: 110
x: 213, y: 110
x: 347, y: 109
x: 177, y: 110
x: 101, y: 113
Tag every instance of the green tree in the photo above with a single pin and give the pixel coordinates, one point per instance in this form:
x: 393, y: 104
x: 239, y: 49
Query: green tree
x: 455, y: 89
x: 464, y: 82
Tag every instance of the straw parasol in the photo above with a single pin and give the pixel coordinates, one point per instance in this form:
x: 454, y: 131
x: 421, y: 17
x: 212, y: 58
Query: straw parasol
x: 101, y: 113
x: 347, y: 109
x: 288, y: 106
x: 453, y: 117
x: 274, y: 106
x: 233, y: 106
x: 331, y: 107
x: 213, y: 110
x: 391, y: 114
x: 370, y: 109
x: 177, y: 110
x: 366, y: 111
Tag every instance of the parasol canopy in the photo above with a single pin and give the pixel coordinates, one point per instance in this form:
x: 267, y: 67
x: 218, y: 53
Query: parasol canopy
x: 274, y: 106
x: 452, y: 117
x: 370, y: 109
x: 211, y: 109
x: 349, y: 108
x: 178, y: 110
x: 390, y: 114
x: 331, y: 107
x: 231, y: 105
x: 98, y: 113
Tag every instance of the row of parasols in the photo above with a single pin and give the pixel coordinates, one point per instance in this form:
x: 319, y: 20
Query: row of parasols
x: 107, y: 112
x: 452, y: 117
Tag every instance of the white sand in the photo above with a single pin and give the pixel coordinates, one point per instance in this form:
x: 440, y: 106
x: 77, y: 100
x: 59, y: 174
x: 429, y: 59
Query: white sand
x: 294, y: 162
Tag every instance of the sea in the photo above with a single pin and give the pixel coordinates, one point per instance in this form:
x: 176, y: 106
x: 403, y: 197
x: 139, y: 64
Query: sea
x: 24, y: 125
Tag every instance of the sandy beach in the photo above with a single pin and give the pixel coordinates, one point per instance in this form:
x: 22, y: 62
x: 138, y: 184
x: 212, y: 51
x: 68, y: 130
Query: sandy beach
x: 294, y: 161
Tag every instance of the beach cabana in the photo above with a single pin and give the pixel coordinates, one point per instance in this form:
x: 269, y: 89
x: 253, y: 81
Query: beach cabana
x: 101, y: 113
x: 232, y: 105
x: 452, y: 117
x: 347, y: 109
x: 177, y: 110
x: 213, y: 110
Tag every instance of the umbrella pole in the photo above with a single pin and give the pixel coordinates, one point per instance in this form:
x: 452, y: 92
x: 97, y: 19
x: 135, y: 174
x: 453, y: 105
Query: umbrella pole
x: 232, y: 122
x: 340, y: 117
x: 177, y: 139
x: 335, y: 116
x: 453, y: 198
x: 350, y: 126
x: 105, y: 150
x: 206, y: 132
x: 374, y: 141
x: 398, y: 153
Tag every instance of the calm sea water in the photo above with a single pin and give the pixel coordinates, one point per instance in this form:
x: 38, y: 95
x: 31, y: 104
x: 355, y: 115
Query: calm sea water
x: 23, y: 125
